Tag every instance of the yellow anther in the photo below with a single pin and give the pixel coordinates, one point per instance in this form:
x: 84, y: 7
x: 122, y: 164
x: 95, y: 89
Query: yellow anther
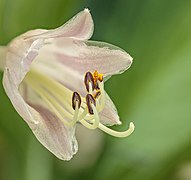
x: 100, y: 77
x: 97, y: 76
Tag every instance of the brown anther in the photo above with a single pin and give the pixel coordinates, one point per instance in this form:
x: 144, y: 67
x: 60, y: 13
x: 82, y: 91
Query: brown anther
x: 76, y: 98
x: 97, y: 94
x: 90, y: 101
x: 89, y: 79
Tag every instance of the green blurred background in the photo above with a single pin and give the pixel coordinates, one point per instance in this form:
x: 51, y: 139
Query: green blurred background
x: 154, y: 93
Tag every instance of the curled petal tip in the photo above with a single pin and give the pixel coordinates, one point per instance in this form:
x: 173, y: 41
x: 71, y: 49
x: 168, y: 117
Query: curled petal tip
x: 86, y: 10
x: 131, y: 58
x: 119, y: 123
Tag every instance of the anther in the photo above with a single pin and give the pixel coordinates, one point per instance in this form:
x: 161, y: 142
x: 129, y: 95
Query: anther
x: 100, y: 77
x: 97, y: 76
x: 89, y: 79
x: 76, y: 98
x: 97, y: 94
x: 89, y: 101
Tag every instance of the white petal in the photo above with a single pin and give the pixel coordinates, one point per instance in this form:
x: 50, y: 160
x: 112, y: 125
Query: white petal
x: 24, y: 49
x: 79, y: 27
x: 48, y: 129
x: 109, y: 115
x: 68, y: 60
x: 56, y: 137
x: 91, y: 55
x: 20, y: 54
x: 48, y: 63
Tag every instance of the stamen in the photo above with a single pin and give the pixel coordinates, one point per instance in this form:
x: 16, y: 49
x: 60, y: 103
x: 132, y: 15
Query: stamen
x: 95, y: 123
x: 76, y: 112
x: 88, y: 125
x: 116, y: 133
x: 83, y: 114
x: 97, y: 94
x: 90, y: 88
x: 90, y: 101
x: 96, y: 116
x: 88, y: 79
x: 76, y: 99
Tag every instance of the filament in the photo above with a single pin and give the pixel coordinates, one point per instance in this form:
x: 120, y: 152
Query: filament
x: 116, y: 133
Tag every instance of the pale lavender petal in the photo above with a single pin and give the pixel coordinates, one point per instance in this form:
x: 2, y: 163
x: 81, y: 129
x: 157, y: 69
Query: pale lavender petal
x: 25, y: 48
x: 68, y: 60
x: 48, y: 129
x: 56, y: 137
x: 79, y: 27
x: 20, y: 55
x: 89, y: 56
x: 109, y: 115
x: 47, y: 63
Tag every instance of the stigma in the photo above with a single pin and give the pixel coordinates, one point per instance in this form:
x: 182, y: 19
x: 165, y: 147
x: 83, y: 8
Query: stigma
x: 72, y: 108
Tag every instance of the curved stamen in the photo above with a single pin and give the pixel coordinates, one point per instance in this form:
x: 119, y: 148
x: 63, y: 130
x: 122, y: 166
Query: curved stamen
x: 95, y: 123
x: 116, y: 133
x: 83, y: 114
x: 76, y: 112
x: 96, y: 116
x: 88, y: 125
x: 90, y: 88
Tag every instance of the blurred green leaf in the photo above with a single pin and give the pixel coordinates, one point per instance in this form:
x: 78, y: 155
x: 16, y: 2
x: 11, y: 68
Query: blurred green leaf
x: 157, y: 91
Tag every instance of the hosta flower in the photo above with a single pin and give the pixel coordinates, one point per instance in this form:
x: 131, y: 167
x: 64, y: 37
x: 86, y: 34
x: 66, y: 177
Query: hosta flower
x: 55, y: 79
